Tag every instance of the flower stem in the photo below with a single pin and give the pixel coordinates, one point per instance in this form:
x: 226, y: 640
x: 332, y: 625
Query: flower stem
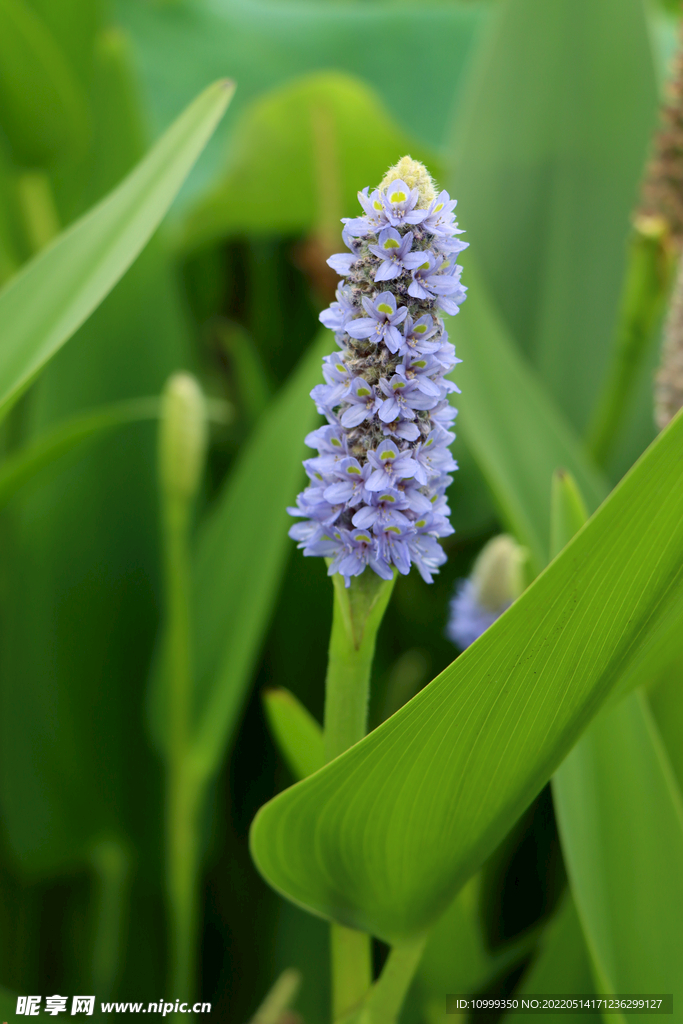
x: 182, y: 792
x: 385, y: 1000
x: 647, y: 285
x: 358, y: 612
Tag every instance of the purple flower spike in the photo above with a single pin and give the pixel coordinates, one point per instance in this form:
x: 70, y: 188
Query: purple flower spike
x: 377, y: 493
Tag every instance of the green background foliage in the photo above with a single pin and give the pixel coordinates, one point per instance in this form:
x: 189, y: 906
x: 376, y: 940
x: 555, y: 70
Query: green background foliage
x: 537, y: 115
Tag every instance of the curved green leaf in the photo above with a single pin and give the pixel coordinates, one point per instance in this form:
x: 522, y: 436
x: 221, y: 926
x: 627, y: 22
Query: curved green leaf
x: 50, y: 298
x: 383, y: 837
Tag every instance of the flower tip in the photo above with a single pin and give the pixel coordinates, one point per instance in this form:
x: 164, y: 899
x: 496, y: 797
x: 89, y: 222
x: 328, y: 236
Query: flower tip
x: 415, y: 175
x: 498, y: 573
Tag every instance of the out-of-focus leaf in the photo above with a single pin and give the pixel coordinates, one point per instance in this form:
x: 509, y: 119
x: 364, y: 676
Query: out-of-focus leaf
x: 263, y: 45
x: 666, y: 701
x: 562, y: 965
x: 511, y: 426
x: 299, y: 737
x: 241, y: 552
x: 50, y: 298
x: 299, y: 156
x: 25, y: 464
x: 43, y: 110
x: 252, y: 384
x: 81, y: 569
x: 8, y: 1004
x: 456, y: 958
x: 387, y: 833
x: 550, y: 146
x: 620, y: 817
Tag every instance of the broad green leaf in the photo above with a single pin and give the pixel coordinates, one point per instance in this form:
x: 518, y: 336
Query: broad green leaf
x: 297, y: 734
x: 50, y: 298
x: 23, y: 465
x: 42, y: 108
x: 241, y: 553
x: 562, y: 965
x: 300, y: 155
x: 511, y: 425
x: 621, y: 822
x: 620, y: 817
x: 551, y: 142
x: 385, y: 835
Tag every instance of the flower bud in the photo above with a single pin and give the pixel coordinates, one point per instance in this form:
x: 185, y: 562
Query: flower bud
x: 496, y: 580
x: 182, y: 437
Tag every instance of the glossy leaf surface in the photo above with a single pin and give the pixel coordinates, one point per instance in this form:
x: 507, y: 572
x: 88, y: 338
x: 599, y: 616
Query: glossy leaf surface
x: 445, y: 778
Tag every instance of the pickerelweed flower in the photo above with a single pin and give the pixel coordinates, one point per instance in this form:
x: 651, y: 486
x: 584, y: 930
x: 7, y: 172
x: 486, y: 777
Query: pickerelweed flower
x: 377, y: 491
x: 496, y: 580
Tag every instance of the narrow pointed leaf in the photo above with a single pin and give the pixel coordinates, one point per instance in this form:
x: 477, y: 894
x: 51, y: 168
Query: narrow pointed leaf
x: 386, y: 834
x: 297, y: 734
x: 50, y: 298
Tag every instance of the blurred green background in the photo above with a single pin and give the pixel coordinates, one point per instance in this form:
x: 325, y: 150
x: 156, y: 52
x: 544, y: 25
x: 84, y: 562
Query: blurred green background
x: 537, y: 115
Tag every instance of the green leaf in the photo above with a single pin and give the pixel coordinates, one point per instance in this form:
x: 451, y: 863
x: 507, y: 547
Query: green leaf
x: 456, y: 958
x: 301, y: 152
x: 42, y: 108
x: 666, y: 701
x: 240, y: 557
x: 567, y: 510
x: 562, y: 965
x: 551, y: 142
x: 21, y: 467
x: 620, y: 817
x: 298, y: 736
x: 621, y: 823
x: 382, y: 837
x: 50, y: 298
x: 8, y: 1004
x: 358, y: 40
x: 511, y: 426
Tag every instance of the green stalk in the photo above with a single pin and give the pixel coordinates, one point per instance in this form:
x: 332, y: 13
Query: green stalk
x: 646, y: 288
x: 181, y: 789
x: 182, y: 444
x: 385, y: 1000
x: 357, y: 614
